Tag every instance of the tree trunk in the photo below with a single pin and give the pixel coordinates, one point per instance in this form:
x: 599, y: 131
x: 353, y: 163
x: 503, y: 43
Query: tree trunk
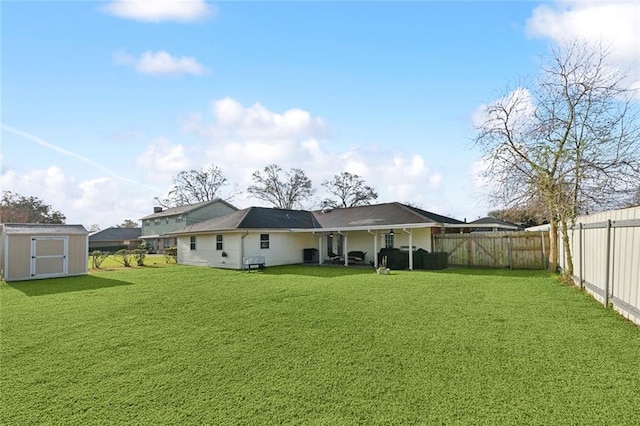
x: 568, y: 259
x: 553, y: 246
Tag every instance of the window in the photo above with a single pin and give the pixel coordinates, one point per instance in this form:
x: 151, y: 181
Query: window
x: 219, y: 242
x: 388, y: 240
x: 167, y: 222
x: 147, y: 222
x: 156, y: 221
x: 192, y: 243
x: 178, y: 219
x: 264, y: 241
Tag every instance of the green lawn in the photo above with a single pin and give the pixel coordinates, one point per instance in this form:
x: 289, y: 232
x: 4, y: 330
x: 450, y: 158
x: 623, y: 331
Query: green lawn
x: 171, y: 344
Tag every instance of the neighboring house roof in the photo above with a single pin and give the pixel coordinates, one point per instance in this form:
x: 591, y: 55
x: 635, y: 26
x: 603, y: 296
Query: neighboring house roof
x: 255, y: 218
x: 116, y: 234
x: 43, y: 229
x: 363, y: 217
x: 173, y: 211
x: 492, y: 222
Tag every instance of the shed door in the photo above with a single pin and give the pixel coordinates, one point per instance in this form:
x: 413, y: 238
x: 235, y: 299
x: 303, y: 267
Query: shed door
x: 49, y: 256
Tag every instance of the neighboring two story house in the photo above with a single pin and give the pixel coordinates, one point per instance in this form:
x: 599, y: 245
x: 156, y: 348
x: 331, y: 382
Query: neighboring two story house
x: 156, y: 226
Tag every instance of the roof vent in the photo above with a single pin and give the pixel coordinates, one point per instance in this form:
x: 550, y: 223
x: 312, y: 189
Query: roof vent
x: 326, y: 209
x: 157, y: 209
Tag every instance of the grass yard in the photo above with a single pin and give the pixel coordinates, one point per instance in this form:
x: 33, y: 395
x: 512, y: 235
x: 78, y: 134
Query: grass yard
x: 172, y: 344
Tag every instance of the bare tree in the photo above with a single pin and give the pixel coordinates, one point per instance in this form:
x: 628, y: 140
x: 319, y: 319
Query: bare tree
x: 350, y: 189
x: 284, y: 192
x: 569, y: 140
x: 196, y: 186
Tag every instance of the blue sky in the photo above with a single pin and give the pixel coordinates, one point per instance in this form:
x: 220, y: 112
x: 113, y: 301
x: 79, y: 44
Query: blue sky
x: 103, y: 102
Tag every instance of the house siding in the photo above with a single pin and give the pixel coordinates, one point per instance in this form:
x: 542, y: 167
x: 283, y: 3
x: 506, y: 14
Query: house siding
x: 285, y: 248
x: 207, y: 212
x: 206, y: 254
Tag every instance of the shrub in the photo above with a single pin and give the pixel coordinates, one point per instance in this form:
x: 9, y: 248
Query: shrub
x: 171, y: 254
x: 140, y: 253
x: 97, y: 257
x: 123, y: 257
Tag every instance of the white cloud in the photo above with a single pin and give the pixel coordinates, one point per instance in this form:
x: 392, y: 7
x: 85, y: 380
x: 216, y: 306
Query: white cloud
x: 242, y: 139
x: 614, y: 23
x: 161, y: 10
x: 104, y: 201
x: 161, y: 63
x: 232, y: 120
x: 519, y: 104
x: 161, y: 159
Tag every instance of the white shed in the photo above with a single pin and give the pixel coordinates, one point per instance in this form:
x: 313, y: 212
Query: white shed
x: 31, y: 251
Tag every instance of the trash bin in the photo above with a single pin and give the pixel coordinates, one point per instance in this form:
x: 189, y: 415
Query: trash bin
x: 310, y: 255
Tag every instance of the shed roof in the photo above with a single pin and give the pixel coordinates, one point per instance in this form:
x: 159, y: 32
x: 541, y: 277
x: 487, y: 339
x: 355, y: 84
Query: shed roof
x: 116, y: 234
x: 187, y: 209
x: 43, y: 229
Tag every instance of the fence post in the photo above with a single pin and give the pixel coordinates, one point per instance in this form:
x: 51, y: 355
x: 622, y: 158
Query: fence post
x: 580, y: 253
x: 606, y: 281
x: 544, y: 252
x: 509, y: 251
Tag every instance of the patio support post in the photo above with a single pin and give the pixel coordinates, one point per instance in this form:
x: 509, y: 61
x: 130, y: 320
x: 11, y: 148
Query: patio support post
x: 345, y: 250
x: 375, y: 248
x: 410, y: 249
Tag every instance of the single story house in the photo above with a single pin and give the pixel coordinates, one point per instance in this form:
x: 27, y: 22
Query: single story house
x: 284, y: 237
x: 157, y: 226
x: 33, y: 250
x: 114, y: 239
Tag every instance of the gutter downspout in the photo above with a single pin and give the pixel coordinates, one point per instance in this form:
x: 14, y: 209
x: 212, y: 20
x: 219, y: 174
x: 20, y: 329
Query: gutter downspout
x: 242, y: 249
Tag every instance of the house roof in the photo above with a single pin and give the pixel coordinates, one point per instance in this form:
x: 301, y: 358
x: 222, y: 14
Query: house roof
x: 43, y: 229
x: 255, y: 218
x: 116, y: 234
x: 173, y: 211
x: 492, y: 222
x: 387, y: 214
x: 362, y: 217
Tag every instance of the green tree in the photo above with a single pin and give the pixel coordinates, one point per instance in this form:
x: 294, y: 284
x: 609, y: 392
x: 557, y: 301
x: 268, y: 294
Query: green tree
x: 15, y: 208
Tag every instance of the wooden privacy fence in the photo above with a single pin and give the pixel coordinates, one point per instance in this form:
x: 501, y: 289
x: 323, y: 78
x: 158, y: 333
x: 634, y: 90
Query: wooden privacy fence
x: 605, y: 249
x: 514, y: 250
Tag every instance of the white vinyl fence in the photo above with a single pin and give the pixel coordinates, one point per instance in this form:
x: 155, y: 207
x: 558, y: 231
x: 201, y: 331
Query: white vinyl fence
x: 605, y: 249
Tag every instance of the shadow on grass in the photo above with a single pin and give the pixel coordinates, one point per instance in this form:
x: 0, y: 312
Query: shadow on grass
x: 520, y: 273
x: 65, y: 285
x: 324, y: 271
